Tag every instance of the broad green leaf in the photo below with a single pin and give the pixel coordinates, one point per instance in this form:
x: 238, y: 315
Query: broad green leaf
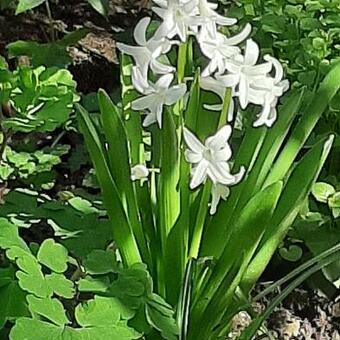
x: 25, y: 5
x: 60, y: 285
x: 94, y: 285
x: 32, y: 329
x: 101, y: 262
x: 160, y: 315
x: 322, y: 191
x: 51, y: 309
x: 132, y: 286
x: 30, y: 276
x: 13, y: 301
x: 9, y: 236
x: 82, y: 205
x: 101, y: 311
x: 47, y: 54
x: 101, y: 6
x: 100, y: 318
x: 53, y: 256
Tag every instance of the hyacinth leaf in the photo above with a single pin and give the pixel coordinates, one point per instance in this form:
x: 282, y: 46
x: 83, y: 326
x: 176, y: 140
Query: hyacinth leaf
x: 51, y: 309
x: 193, y: 105
x: 327, y: 90
x: 272, y: 144
x: 251, y: 330
x: 132, y: 119
x: 169, y: 202
x: 177, y: 242
x: 122, y: 230
x: 264, y: 155
x: 247, y: 231
x: 295, y: 192
x: 119, y: 164
x: 217, y: 231
x: 53, y: 255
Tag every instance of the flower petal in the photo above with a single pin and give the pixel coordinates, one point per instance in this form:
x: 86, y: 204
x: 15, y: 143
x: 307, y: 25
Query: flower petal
x: 160, y: 68
x: 143, y: 102
x: 220, y: 139
x: 199, y: 174
x: 238, y: 38
x: 223, y: 155
x: 175, y: 93
x: 140, y: 83
x: 192, y: 142
x: 140, y: 31
x: 252, y: 52
x: 149, y: 119
x: 193, y: 157
x: 164, y: 81
x: 243, y: 92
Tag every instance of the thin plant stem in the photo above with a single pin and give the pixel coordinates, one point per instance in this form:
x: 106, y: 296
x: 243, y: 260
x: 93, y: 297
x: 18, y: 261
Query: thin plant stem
x: 51, y: 21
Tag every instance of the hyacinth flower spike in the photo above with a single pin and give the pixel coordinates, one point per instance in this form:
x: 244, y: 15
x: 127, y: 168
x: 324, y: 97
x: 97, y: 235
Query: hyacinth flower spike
x: 147, y: 51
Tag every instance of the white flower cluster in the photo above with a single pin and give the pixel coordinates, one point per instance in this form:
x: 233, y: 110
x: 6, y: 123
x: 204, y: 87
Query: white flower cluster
x: 228, y: 66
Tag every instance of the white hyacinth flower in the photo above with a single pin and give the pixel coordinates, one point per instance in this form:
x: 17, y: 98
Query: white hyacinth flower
x: 156, y: 96
x: 139, y: 172
x: 271, y: 89
x: 219, y: 48
x: 210, y: 160
x: 212, y: 18
x: 147, y: 51
x: 179, y: 18
x: 218, y: 192
x: 243, y: 72
x: 218, y: 86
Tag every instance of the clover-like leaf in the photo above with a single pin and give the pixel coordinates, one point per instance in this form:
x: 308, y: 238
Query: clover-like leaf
x: 13, y: 298
x: 60, y: 285
x: 53, y: 256
x: 82, y: 205
x: 9, y: 235
x: 160, y: 315
x: 50, y: 308
x: 100, y: 262
x: 322, y: 191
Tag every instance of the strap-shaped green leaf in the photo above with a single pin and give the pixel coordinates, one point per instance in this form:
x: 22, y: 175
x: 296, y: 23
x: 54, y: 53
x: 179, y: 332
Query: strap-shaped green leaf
x: 119, y: 164
x: 122, y: 231
x: 295, y: 192
x: 327, y: 90
x: 247, y: 232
